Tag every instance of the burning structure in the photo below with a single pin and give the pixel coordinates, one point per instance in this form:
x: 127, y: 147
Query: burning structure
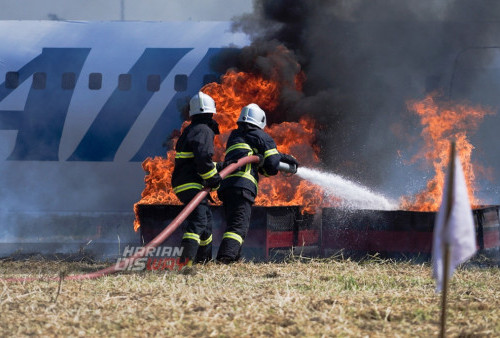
x: 325, y: 88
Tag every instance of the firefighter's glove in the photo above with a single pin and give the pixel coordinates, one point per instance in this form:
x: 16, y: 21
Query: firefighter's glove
x: 289, y: 159
x: 219, y: 165
x: 213, y: 182
x: 261, y: 160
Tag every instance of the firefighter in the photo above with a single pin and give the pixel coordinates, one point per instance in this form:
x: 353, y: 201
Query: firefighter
x: 193, y: 171
x: 239, y: 189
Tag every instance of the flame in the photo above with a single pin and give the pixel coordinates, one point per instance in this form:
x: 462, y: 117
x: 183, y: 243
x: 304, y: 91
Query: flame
x: 236, y: 90
x: 443, y: 121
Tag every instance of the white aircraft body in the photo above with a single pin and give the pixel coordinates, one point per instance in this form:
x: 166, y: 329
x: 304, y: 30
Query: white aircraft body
x: 82, y: 104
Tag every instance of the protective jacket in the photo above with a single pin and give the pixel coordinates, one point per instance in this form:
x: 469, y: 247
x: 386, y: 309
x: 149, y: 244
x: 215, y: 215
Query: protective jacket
x: 194, y: 151
x: 249, y: 140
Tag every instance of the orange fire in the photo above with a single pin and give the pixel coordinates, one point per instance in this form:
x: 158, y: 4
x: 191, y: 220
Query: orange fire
x: 444, y: 121
x: 236, y: 90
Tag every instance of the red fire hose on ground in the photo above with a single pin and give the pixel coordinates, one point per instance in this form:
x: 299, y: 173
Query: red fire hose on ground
x: 158, y: 239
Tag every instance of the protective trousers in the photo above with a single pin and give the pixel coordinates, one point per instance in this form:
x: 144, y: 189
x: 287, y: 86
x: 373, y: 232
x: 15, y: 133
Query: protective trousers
x: 197, y: 232
x: 238, y: 209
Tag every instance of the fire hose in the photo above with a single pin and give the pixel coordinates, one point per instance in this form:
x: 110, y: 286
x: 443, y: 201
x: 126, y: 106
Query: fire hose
x: 176, y: 222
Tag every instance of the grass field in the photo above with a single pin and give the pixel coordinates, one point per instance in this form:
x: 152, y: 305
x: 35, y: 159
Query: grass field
x: 333, y: 297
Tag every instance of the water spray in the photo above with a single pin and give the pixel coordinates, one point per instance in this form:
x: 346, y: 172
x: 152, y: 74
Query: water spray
x: 352, y: 195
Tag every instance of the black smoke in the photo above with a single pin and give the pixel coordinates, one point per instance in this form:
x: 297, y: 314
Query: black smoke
x: 363, y: 60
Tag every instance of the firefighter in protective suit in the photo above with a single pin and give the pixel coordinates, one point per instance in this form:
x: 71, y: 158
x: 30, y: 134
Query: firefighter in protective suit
x: 193, y: 171
x: 239, y: 189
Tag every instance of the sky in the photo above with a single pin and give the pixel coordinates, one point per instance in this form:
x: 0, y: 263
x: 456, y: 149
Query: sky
x: 132, y: 10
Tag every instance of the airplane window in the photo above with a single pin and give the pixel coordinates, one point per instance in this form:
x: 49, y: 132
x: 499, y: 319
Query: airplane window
x: 11, y: 80
x: 153, y: 83
x: 39, y: 80
x: 124, y: 81
x: 95, y: 81
x: 180, y: 83
x: 209, y: 78
x: 68, y: 81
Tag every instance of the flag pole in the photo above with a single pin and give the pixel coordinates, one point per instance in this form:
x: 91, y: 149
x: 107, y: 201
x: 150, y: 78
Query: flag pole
x: 446, y: 265
x: 444, y: 293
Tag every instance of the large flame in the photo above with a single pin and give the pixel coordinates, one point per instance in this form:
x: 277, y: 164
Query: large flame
x: 442, y: 122
x: 236, y: 90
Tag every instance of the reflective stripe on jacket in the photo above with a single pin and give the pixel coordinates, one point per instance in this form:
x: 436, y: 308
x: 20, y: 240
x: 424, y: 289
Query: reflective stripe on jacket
x: 246, y: 141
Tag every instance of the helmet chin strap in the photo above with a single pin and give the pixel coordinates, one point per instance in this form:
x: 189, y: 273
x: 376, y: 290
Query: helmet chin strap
x: 200, y: 97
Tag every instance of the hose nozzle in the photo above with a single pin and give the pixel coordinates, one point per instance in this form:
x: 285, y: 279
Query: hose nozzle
x: 287, y: 168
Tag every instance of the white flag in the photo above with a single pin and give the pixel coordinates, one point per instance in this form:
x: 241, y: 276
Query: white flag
x: 458, y: 230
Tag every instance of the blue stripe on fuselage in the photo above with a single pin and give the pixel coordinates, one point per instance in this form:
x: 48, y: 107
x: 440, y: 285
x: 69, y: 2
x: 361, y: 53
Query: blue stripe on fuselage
x: 123, y: 107
x: 170, y: 117
x: 41, y: 123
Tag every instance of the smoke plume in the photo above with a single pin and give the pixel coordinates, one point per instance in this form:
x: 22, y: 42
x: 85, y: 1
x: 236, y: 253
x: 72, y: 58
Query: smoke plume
x: 362, y: 60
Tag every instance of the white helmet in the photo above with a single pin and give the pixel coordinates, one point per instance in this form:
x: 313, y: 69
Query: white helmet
x: 253, y: 114
x: 201, y: 103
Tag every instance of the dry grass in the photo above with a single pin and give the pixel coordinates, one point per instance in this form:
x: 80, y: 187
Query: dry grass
x: 313, y: 298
